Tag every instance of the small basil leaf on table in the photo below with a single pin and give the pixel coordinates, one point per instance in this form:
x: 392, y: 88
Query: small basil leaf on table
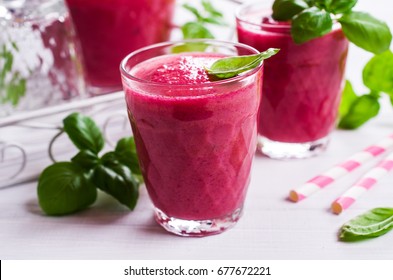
x: 64, y: 188
x: 366, y: 32
x: 83, y: 132
x: 284, y: 10
x: 361, y: 110
x: 373, y: 223
x: 231, y: 66
x: 116, y: 179
x: 311, y: 23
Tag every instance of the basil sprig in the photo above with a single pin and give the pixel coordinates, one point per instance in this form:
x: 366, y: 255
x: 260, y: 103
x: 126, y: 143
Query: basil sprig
x: 232, y: 66
x: 371, y: 224
x: 356, y: 110
x: 284, y: 10
x: 204, y: 17
x: 68, y: 187
x: 313, y: 18
x: 309, y: 24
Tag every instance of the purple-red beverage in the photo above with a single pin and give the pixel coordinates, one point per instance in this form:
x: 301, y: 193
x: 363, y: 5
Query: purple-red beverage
x: 302, y: 84
x: 111, y: 29
x: 195, y: 137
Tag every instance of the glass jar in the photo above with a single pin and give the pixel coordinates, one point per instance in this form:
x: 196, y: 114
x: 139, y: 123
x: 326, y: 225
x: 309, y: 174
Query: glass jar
x: 39, y: 59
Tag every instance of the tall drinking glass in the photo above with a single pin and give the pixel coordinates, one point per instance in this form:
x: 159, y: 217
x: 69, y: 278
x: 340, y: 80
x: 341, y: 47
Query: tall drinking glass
x: 302, y: 84
x: 111, y: 29
x: 195, y: 136
x: 40, y: 64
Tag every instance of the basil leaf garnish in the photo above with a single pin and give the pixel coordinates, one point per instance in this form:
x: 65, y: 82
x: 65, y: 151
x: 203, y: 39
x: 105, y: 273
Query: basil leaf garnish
x: 366, y: 32
x: 231, y: 66
x: 310, y: 24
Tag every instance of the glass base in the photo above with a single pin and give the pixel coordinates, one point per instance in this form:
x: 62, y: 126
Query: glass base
x: 94, y: 91
x: 197, y: 228
x: 283, y: 150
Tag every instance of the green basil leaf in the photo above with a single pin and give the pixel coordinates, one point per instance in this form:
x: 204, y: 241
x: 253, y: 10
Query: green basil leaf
x: 117, y: 180
x: 189, y: 47
x: 209, y: 15
x: 336, y: 6
x: 378, y: 73
x: 284, y: 10
x: 16, y: 88
x: 321, y: 4
x: 84, y: 132
x: 14, y: 46
x: 207, y: 5
x: 366, y: 32
x: 341, y: 6
x: 86, y: 159
x: 348, y: 97
x: 310, y: 24
x: 364, y: 108
x: 9, y: 61
x: 373, y: 223
x: 194, y: 11
x: 195, y: 30
x: 64, y: 188
x: 126, y: 153
x: 213, y: 20
x: 231, y: 66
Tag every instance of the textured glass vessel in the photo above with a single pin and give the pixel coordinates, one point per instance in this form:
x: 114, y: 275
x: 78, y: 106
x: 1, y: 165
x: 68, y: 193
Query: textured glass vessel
x: 195, y: 137
x: 302, y: 84
x: 39, y: 61
x: 110, y: 29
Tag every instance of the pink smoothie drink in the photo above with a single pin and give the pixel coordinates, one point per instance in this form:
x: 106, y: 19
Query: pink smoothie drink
x: 111, y: 29
x: 302, y: 83
x: 195, y: 137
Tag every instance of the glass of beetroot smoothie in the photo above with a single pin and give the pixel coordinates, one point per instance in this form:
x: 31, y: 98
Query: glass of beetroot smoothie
x: 302, y: 84
x: 195, y: 136
x: 111, y: 29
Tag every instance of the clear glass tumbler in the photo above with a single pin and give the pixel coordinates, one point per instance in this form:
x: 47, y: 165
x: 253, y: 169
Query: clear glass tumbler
x: 39, y: 60
x: 195, y: 137
x: 110, y: 29
x: 302, y: 84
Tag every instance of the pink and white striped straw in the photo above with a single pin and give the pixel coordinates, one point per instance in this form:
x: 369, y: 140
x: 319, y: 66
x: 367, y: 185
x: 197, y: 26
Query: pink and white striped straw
x: 364, y: 184
x: 321, y: 181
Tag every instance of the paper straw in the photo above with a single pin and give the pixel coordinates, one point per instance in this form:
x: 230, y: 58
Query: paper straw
x: 321, y: 181
x: 363, y: 185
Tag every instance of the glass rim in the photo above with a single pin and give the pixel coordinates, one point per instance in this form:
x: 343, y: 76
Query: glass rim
x: 125, y: 73
x: 271, y: 26
x: 260, y: 24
